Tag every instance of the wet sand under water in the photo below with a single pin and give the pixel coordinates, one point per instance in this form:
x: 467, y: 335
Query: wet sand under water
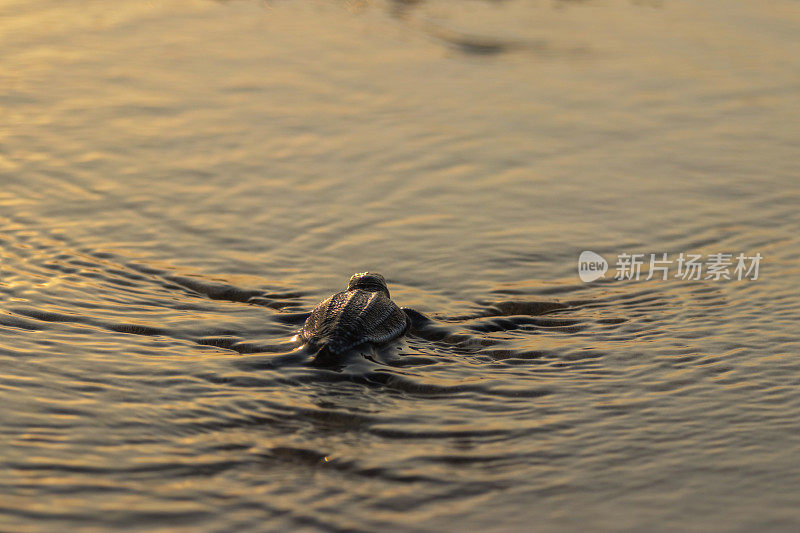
x: 182, y: 182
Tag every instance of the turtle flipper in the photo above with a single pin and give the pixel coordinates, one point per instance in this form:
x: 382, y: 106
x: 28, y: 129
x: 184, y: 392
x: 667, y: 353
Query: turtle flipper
x: 416, y: 320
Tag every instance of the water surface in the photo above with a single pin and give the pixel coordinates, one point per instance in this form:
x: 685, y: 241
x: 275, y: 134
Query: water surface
x: 182, y: 180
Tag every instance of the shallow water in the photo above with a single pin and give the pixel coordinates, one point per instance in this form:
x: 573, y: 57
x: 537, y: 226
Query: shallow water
x: 182, y: 181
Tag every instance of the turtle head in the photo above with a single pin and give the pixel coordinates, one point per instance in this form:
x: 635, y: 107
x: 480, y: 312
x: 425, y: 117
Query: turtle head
x: 368, y: 281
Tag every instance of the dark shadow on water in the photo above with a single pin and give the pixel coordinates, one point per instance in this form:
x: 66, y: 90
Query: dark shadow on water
x: 468, y: 43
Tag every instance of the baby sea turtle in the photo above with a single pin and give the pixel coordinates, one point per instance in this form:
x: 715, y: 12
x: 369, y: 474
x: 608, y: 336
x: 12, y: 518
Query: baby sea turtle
x: 364, y: 313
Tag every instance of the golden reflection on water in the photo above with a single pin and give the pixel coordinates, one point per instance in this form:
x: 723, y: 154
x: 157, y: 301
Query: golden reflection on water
x: 179, y: 179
